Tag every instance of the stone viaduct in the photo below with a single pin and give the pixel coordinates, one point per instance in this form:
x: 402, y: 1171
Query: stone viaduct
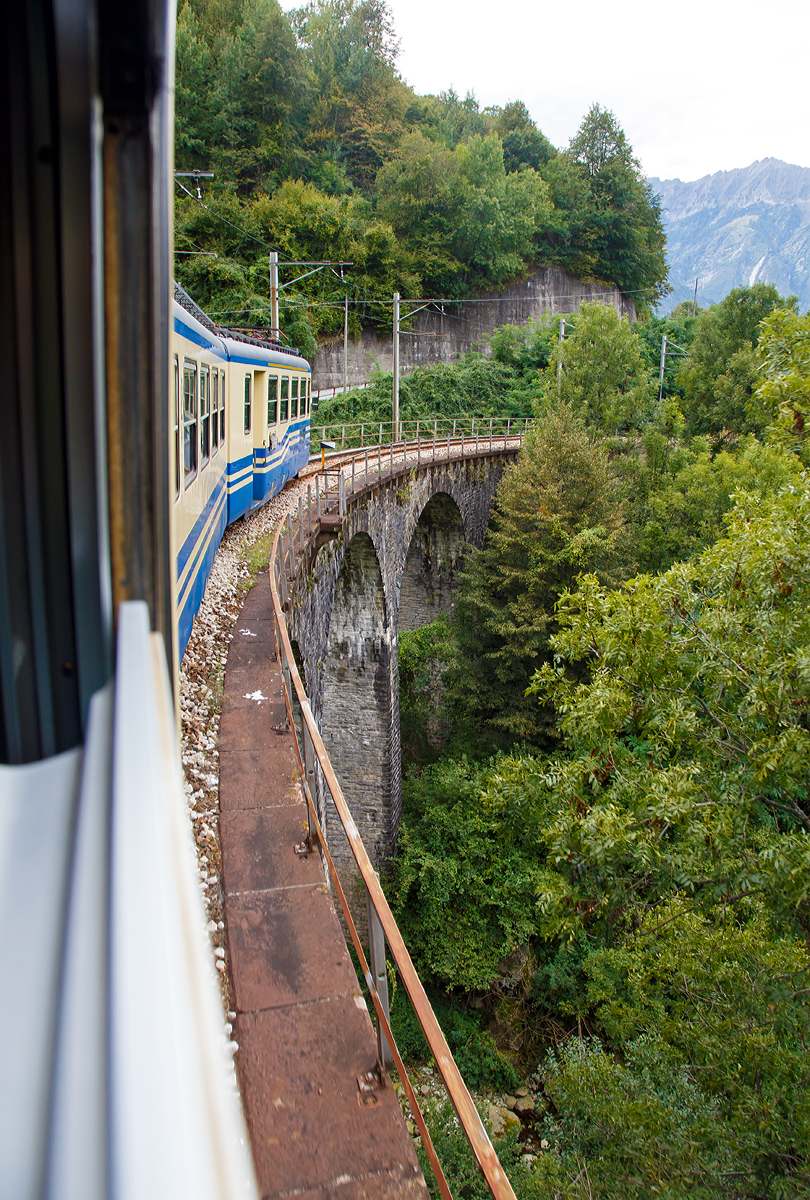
x: 389, y: 563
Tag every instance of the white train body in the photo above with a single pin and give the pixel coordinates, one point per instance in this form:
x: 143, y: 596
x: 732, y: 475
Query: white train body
x: 240, y: 430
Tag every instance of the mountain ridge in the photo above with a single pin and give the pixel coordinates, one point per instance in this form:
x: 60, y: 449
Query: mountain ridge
x: 738, y: 227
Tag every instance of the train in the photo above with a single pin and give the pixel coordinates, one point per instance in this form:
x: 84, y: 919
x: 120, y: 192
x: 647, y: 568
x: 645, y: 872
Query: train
x: 240, y: 429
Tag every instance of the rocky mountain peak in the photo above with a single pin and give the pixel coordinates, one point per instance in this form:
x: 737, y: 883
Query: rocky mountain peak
x: 737, y: 227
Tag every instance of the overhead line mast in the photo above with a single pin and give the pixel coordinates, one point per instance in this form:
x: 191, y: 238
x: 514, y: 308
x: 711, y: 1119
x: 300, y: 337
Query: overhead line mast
x: 275, y: 288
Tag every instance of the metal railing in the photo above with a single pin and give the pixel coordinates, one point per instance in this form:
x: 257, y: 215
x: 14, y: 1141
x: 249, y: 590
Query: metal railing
x: 330, y: 489
x: 437, y: 429
x: 312, y: 757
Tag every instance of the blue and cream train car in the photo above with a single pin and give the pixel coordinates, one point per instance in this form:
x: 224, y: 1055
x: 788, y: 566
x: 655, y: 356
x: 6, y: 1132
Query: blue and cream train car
x: 240, y: 421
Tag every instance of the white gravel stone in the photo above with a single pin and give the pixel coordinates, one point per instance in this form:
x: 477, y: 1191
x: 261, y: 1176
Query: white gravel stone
x: 202, y: 674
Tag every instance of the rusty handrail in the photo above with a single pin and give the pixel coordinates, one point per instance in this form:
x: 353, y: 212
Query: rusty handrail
x: 471, y: 1123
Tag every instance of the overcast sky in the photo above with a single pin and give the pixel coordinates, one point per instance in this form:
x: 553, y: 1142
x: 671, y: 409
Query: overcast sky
x: 698, y: 86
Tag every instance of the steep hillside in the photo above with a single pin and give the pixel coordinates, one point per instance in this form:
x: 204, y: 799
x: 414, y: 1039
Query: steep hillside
x: 737, y: 227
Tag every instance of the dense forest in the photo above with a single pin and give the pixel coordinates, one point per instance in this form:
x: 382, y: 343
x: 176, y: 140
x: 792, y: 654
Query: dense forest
x: 607, y: 755
x: 321, y: 151
x: 604, y: 863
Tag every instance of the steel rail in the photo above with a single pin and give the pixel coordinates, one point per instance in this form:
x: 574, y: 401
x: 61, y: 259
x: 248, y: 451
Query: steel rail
x: 470, y: 1121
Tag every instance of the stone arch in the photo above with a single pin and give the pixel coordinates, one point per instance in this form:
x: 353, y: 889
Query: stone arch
x: 357, y: 720
x: 435, y: 553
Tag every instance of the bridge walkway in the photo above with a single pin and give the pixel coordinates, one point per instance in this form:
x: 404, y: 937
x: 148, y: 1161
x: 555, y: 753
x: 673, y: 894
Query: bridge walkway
x: 303, y: 1029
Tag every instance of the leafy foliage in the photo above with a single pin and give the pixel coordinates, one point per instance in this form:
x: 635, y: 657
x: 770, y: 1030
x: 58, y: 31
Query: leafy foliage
x: 437, y: 196
x: 625, y: 216
x: 555, y: 515
x: 600, y: 372
x: 720, y: 376
x: 451, y: 873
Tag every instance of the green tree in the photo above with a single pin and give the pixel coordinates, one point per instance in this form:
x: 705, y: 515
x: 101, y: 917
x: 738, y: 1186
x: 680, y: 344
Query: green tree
x: 555, y: 515
x: 782, y: 400
x: 687, y: 747
x: 722, y: 372
x: 358, y: 101
x: 452, y: 120
x: 239, y: 88
x: 624, y: 214
x: 523, y: 143
x: 467, y: 221
x: 600, y: 371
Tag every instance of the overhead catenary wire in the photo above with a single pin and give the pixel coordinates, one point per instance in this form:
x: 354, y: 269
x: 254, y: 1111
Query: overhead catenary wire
x: 423, y: 303
x: 219, y: 217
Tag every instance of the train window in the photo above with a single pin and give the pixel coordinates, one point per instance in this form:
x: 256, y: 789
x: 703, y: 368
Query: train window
x: 308, y: 389
x: 294, y: 398
x: 248, y: 386
x: 190, y: 420
x: 272, y: 399
x: 285, y: 396
x: 176, y: 428
x: 222, y: 407
x: 205, y: 416
x: 215, y: 412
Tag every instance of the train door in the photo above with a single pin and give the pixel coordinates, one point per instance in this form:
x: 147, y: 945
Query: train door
x: 260, y: 436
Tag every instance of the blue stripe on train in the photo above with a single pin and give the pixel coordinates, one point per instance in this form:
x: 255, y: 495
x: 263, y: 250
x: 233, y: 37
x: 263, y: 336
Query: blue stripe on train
x: 198, y: 581
x: 187, y: 548
x: 238, y: 487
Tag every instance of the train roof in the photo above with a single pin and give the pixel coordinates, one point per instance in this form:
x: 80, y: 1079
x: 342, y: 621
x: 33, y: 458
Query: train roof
x: 234, y: 344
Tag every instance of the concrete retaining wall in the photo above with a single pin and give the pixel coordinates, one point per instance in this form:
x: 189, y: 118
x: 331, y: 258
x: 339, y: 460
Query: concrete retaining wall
x: 434, y: 336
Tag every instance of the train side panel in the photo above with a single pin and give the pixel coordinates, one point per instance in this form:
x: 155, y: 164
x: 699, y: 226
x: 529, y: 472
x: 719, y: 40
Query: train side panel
x: 235, y: 443
x: 200, y: 458
x: 270, y: 445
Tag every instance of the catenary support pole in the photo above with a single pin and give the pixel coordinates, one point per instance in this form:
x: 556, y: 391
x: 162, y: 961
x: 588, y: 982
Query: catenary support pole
x: 395, y: 430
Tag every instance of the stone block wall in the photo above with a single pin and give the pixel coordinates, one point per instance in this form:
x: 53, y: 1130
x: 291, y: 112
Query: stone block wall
x: 345, y: 615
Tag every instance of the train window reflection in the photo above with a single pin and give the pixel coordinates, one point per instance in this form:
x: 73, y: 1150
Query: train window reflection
x: 190, y: 420
x: 205, y: 416
x: 248, y: 384
x: 176, y: 428
x: 214, y: 412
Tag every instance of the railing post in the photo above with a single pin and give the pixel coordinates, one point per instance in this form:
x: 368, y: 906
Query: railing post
x: 379, y: 457
x: 418, y: 446
x: 362, y: 436
x: 301, y: 523
x: 353, y: 475
x: 454, y: 430
x: 508, y: 427
x: 309, y: 508
x: 376, y: 954
x: 281, y: 575
x: 490, y: 434
x: 341, y: 495
x: 318, y: 496
x: 380, y: 441
x: 392, y: 455
x: 285, y: 671
x: 309, y: 770
x: 290, y: 544
x: 462, y: 440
